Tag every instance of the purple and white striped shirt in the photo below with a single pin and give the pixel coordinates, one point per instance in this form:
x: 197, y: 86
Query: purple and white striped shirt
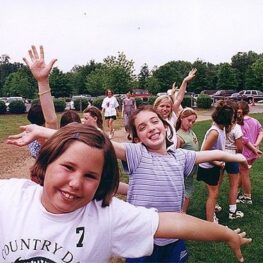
x: 157, y: 180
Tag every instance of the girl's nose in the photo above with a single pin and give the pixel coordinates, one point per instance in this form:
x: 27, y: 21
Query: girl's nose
x: 75, y: 181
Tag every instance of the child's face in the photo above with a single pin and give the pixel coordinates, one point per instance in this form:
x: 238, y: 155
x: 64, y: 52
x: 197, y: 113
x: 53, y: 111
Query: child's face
x: 89, y: 120
x: 71, y: 180
x: 188, y: 122
x: 151, y: 131
x: 164, y: 108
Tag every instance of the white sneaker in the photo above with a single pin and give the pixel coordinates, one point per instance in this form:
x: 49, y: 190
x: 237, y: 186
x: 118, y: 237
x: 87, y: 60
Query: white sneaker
x: 235, y: 215
x: 218, y: 208
x: 216, y: 220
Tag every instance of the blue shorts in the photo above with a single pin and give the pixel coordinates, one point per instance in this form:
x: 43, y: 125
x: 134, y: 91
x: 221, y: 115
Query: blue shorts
x: 232, y: 168
x: 174, y: 252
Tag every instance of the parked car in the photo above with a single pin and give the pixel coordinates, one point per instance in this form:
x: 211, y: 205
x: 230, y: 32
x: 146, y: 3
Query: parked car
x: 248, y: 95
x: 141, y: 93
x: 209, y: 92
x: 222, y: 94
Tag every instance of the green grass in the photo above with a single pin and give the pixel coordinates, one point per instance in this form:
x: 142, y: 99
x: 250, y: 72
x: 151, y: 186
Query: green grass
x: 200, y: 251
x: 251, y: 223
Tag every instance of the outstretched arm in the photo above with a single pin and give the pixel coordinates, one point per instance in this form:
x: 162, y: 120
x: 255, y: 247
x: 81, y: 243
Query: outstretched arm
x: 33, y: 132
x: 182, y: 226
x: 41, y: 71
x: 30, y: 133
x: 218, y: 155
x: 179, y: 96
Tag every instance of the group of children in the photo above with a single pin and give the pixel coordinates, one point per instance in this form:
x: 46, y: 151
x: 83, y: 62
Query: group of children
x: 77, y: 175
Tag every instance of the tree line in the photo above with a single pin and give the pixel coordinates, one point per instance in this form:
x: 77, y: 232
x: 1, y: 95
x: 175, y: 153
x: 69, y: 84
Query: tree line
x: 117, y: 72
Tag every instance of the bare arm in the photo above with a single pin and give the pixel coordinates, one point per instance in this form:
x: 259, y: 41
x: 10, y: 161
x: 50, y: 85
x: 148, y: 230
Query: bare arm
x: 41, y: 71
x: 179, y: 96
x: 218, y: 155
x: 208, y: 144
x: 259, y: 139
x: 182, y: 226
x: 30, y: 133
x: 239, y: 145
x: 123, y: 188
x: 119, y: 150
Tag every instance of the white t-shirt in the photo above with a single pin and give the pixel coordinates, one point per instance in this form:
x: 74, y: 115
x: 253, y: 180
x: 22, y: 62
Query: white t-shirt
x: 89, y: 234
x: 231, y: 137
x: 172, y: 121
x: 110, y: 105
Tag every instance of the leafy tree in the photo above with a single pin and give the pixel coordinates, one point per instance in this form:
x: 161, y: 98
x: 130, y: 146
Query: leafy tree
x: 59, y: 84
x: 116, y: 73
x: 78, y: 75
x: 152, y: 85
x: 211, y: 75
x: 200, y: 81
x: 6, y: 68
x: 143, y: 76
x: 20, y: 83
x: 257, y: 69
x: 227, y: 77
x: 241, y: 61
x: 173, y: 71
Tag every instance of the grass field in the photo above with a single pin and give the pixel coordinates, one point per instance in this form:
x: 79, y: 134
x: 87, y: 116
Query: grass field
x: 201, y: 251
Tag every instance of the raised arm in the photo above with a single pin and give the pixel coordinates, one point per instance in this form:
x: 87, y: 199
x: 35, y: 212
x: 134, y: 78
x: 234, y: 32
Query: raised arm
x: 179, y: 96
x: 182, y: 226
x: 41, y: 71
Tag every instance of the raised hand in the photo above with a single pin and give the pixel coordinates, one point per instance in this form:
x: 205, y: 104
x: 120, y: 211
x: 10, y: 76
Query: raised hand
x: 191, y: 75
x: 37, y: 66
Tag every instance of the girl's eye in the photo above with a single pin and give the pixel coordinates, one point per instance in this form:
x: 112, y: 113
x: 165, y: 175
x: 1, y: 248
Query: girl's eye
x: 141, y: 128
x: 67, y: 167
x: 90, y: 176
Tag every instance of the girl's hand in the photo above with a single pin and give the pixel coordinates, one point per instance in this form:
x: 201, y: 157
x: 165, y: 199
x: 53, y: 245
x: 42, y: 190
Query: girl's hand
x: 38, y: 67
x: 29, y: 134
x: 219, y: 164
x: 191, y: 75
x: 238, y: 239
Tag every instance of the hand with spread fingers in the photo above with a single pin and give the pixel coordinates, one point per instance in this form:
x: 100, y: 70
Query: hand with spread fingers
x: 237, y: 241
x: 37, y: 66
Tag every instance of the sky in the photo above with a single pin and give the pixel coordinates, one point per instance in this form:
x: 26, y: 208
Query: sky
x: 147, y: 31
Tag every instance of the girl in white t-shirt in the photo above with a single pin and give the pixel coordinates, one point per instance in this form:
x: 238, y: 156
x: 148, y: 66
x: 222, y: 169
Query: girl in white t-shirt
x: 109, y: 109
x: 79, y: 173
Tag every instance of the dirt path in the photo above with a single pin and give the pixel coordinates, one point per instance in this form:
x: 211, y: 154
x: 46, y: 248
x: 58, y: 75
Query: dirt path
x: 16, y: 162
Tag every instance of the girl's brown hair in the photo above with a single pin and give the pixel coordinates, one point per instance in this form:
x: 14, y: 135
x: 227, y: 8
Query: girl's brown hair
x: 242, y: 105
x: 223, y: 113
x: 150, y: 108
x: 95, y: 113
x: 186, y: 112
x: 69, y: 116
x: 91, y: 136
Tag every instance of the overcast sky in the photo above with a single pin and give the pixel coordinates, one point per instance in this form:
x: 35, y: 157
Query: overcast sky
x: 147, y: 31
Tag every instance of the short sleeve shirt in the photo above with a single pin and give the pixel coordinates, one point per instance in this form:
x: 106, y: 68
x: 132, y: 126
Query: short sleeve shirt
x: 110, y: 105
x: 157, y: 180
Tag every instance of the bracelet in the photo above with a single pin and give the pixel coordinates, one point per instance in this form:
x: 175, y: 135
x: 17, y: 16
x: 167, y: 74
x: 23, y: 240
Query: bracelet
x: 44, y: 92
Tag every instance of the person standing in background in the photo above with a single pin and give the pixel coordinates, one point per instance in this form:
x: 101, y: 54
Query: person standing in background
x: 109, y: 106
x: 128, y: 107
